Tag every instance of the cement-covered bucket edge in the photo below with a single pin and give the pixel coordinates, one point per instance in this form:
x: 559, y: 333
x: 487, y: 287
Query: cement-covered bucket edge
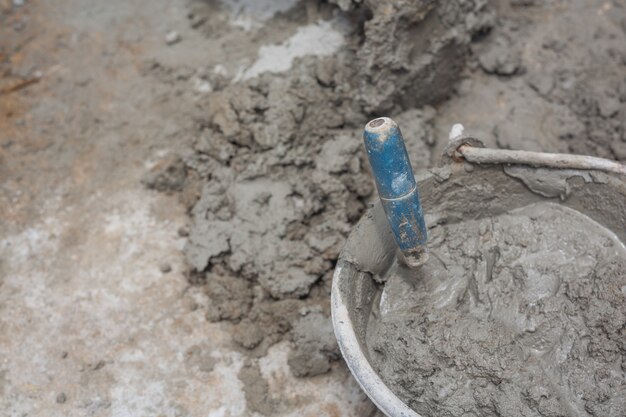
x: 368, y: 379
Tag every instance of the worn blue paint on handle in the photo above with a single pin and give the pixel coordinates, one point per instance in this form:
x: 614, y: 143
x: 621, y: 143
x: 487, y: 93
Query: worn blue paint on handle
x: 395, y: 183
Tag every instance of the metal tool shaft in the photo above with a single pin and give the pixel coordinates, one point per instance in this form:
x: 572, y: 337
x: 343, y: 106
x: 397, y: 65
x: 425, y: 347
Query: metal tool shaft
x: 397, y: 188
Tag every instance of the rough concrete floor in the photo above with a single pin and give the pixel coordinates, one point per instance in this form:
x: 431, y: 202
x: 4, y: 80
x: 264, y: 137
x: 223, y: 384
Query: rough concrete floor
x: 91, y: 322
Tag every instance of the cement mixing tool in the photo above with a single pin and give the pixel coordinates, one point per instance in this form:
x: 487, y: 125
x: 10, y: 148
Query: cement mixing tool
x: 396, y: 226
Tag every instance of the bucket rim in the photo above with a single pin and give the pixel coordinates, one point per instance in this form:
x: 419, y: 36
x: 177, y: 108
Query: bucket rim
x: 373, y: 386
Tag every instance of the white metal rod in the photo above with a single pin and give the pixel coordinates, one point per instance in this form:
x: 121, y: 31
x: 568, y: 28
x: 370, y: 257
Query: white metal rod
x: 539, y: 159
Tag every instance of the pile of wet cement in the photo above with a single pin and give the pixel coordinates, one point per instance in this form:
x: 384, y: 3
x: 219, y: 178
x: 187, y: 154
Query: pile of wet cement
x: 523, y: 314
x: 277, y: 177
x: 281, y: 177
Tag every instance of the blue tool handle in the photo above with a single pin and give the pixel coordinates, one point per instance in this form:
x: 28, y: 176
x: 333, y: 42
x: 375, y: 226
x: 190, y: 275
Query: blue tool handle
x: 396, y: 184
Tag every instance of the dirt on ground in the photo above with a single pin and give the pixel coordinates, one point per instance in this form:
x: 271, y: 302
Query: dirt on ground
x: 249, y: 115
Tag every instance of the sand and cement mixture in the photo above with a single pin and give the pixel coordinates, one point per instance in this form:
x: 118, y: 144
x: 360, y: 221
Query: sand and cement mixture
x: 277, y: 177
x: 522, y: 314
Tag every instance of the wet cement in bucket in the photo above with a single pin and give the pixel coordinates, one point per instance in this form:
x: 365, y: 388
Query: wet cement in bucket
x: 522, y: 314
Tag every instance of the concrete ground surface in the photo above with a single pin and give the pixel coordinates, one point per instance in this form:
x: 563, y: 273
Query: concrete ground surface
x: 96, y: 315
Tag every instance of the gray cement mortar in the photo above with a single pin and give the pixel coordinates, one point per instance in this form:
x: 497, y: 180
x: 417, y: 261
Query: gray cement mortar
x: 413, y: 51
x: 277, y: 177
x: 545, y: 80
x: 521, y: 314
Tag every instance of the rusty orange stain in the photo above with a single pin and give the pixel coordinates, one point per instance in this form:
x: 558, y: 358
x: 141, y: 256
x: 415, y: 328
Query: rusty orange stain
x: 332, y: 410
